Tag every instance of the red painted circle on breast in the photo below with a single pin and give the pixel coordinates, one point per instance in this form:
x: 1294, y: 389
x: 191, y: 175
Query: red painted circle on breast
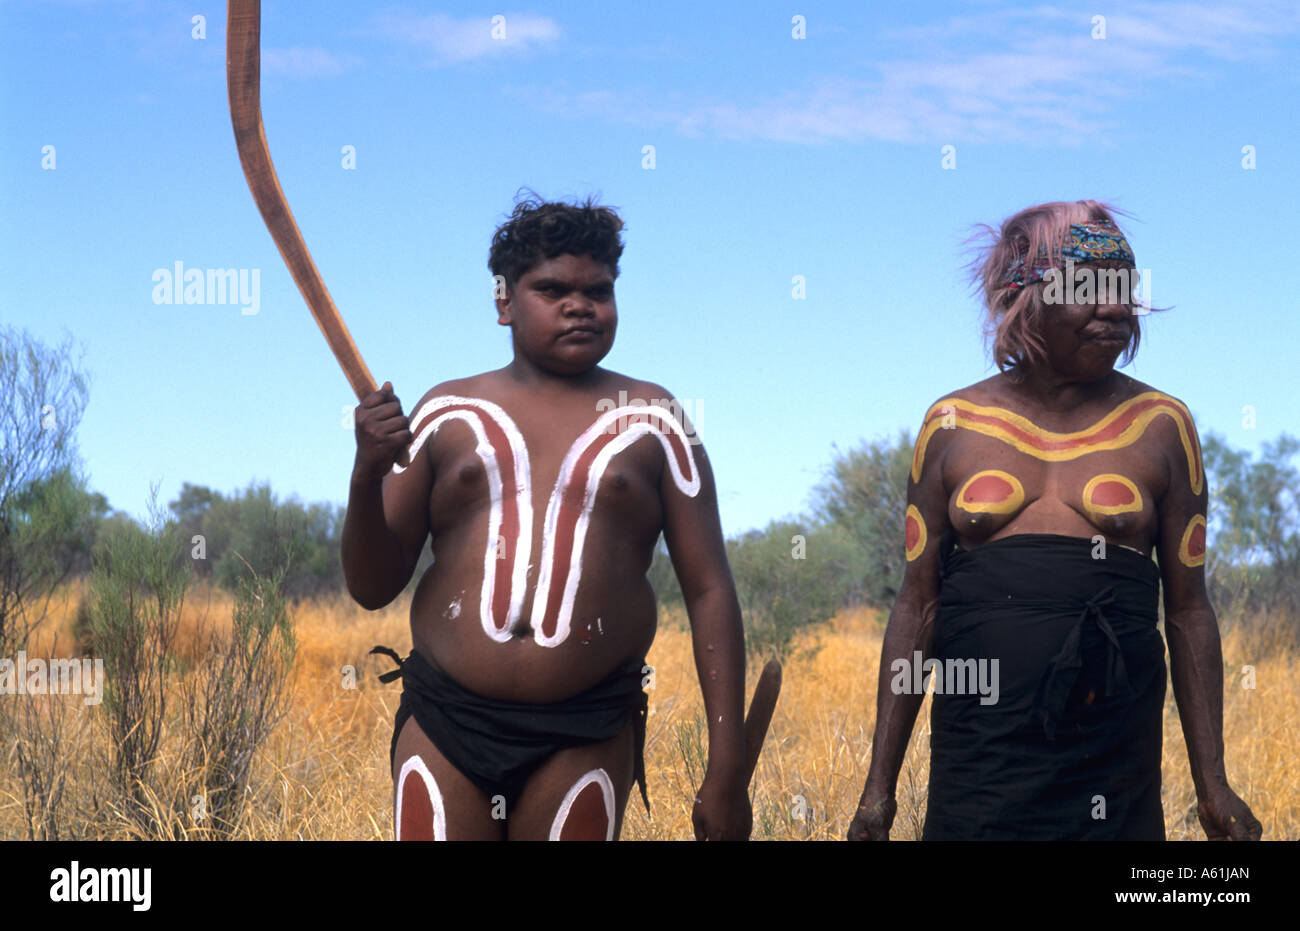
x: 1112, y: 494
x: 911, y: 532
x: 988, y: 489
x: 1196, y: 542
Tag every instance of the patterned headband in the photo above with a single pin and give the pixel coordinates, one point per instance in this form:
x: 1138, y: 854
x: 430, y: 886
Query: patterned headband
x: 1095, y: 241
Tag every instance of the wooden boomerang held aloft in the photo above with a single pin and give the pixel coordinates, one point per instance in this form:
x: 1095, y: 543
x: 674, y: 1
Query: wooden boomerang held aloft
x: 243, y: 80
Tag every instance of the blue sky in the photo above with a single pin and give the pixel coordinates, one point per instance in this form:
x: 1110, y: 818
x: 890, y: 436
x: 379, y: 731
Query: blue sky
x: 775, y: 157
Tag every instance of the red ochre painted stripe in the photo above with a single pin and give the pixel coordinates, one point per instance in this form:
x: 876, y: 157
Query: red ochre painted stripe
x: 1100, y: 435
x: 911, y: 533
x: 1038, y: 439
x: 573, y: 501
x: 417, y: 809
x: 988, y: 489
x: 504, y: 453
x: 684, y: 461
x: 1112, y: 494
x: 1196, y: 542
x: 587, y: 818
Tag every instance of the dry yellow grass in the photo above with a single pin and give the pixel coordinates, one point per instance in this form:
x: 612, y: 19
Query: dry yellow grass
x: 324, y: 772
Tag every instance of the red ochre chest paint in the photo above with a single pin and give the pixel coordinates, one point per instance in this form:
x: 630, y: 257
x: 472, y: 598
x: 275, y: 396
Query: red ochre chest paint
x: 913, y: 533
x: 1123, y: 426
x: 501, y: 447
x: 1111, y: 494
x: 1191, y: 549
x: 992, y: 491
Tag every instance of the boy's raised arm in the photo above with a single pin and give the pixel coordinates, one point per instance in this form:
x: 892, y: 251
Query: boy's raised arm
x: 387, y: 518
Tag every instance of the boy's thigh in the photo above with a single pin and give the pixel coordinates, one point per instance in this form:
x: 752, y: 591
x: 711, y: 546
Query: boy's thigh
x: 579, y: 793
x: 432, y: 799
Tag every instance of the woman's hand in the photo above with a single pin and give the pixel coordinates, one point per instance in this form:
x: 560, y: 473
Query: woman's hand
x: 1226, y: 817
x: 874, y: 818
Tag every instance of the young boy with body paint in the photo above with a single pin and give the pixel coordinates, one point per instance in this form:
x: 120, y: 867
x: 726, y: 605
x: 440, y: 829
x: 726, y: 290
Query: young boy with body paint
x: 522, y: 713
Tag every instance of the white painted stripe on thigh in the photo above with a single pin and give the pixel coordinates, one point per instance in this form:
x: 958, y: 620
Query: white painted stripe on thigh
x: 601, y: 778
x: 416, y: 765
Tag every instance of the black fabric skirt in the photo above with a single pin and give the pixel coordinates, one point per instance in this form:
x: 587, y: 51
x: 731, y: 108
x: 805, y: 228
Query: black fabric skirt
x: 1071, y: 749
x: 498, y: 744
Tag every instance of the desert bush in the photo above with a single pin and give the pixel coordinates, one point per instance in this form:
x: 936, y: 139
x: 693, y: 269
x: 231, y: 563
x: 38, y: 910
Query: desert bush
x: 788, y: 577
x: 137, y: 590
x: 232, y: 701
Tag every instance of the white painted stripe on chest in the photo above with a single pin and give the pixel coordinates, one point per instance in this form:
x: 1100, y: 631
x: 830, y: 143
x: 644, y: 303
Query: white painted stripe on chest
x: 631, y: 422
x: 552, y: 560
x: 488, y: 453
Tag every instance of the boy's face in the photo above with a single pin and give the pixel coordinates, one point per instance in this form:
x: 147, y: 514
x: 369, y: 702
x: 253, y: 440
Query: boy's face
x: 562, y: 313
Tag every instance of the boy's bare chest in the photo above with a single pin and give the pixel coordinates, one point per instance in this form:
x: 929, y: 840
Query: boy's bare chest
x: 619, y: 483
x: 595, y: 463
x: 543, y: 488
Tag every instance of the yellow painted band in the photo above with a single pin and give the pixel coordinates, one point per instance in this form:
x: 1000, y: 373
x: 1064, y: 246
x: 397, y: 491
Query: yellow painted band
x: 1184, y: 553
x: 947, y: 414
x: 1009, y: 505
x: 917, y: 549
x: 1134, y: 505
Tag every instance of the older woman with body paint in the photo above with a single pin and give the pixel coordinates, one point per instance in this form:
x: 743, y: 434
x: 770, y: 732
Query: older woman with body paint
x: 1035, y: 502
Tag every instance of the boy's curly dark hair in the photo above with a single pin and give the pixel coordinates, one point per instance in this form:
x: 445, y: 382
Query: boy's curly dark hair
x: 538, y: 230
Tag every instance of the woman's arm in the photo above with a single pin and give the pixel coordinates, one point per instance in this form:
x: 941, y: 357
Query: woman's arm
x: 909, y: 630
x: 1195, y: 653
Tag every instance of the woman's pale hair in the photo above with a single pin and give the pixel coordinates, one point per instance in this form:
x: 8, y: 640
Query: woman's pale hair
x: 1014, y: 315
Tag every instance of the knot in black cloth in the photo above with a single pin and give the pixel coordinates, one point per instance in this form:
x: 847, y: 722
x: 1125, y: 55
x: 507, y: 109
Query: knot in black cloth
x: 1064, y: 740
x: 1064, y: 668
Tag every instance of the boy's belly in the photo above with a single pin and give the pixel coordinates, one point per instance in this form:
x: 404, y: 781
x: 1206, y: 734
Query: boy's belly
x: 613, y: 620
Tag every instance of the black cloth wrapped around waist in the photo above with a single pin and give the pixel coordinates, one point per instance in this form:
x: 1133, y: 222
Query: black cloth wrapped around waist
x: 1070, y: 749
x: 498, y: 744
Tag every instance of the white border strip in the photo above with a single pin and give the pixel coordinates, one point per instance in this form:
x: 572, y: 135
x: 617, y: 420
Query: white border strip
x: 631, y: 433
x: 415, y: 764
x: 600, y: 777
x: 523, y: 498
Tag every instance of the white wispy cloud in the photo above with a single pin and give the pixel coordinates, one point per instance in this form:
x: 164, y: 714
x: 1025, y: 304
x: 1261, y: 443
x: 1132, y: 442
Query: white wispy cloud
x: 452, y: 40
x: 1014, y: 75
x: 297, y: 62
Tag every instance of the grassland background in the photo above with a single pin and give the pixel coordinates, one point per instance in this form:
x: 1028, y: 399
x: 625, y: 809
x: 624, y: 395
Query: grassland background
x: 323, y: 774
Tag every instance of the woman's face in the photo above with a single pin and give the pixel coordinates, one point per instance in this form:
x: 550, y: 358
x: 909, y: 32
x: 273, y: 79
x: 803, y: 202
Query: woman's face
x: 1085, y: 332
